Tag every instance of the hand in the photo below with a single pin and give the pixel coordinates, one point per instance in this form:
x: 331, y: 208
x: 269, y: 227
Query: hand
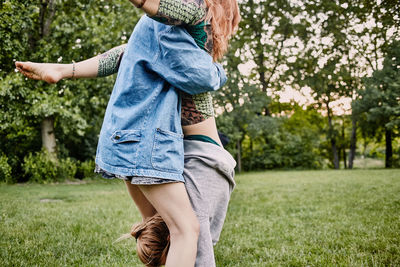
x: 148, y: 6
x: 50, y: 73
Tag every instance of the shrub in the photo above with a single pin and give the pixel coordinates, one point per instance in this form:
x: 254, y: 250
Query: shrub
x: 86, y: 169
x: 66, y: 169
x: 5, y: 170
x: 41, y: 168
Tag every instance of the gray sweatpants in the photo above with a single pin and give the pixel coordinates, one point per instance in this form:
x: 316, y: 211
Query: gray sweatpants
x: 209, y: 177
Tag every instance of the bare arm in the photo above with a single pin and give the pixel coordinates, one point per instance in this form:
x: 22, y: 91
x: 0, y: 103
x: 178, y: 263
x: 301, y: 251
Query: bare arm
x: 98, y: 66
x: 175, y: 12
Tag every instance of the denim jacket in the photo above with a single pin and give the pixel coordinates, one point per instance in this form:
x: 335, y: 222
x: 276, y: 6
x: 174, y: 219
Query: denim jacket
x: 141, y: 133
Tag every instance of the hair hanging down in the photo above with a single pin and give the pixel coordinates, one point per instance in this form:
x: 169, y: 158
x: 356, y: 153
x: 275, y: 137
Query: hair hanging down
x: 152, y: 241
x: 225, y: 18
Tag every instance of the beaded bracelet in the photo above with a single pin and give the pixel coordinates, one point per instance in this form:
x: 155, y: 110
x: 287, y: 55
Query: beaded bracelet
x: 73, y: 69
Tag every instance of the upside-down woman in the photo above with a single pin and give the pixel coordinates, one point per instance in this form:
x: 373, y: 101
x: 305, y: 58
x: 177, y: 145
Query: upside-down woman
x: 208, y: 167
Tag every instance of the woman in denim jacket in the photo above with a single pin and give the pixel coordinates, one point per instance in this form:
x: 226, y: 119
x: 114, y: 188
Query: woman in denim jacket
x: 127, y: 131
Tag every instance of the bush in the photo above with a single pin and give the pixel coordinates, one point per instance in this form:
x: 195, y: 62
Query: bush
x: 41, y: 168
x: 86, y: 169
x: 5, y: 170
x: 66, y: 169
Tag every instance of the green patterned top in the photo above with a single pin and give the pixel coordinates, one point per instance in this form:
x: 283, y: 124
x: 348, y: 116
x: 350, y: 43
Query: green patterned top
x: 190, y: 14
x: 179, y: 12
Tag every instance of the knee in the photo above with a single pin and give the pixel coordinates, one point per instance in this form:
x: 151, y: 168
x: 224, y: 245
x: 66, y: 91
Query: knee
x: 188, y: 228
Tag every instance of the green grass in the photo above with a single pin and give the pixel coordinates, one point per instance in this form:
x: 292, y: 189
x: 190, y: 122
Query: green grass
x: 277, y: 218
x: 368, y: 163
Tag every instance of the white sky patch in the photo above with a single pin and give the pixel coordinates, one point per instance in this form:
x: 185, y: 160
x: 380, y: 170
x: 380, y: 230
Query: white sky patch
x: 245, y: 68
x: 341, y: 106
x: 303, y: 96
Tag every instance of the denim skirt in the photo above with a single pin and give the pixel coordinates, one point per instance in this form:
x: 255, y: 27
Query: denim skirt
x: 139, y: 180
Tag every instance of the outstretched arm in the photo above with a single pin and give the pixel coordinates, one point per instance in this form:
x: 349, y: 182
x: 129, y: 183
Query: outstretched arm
x: 166, y: 11
x: 98, y: 66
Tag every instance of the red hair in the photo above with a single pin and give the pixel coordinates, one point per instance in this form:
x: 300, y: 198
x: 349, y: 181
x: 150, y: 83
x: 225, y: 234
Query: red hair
x: 152, y: 241
x: 224, y: 16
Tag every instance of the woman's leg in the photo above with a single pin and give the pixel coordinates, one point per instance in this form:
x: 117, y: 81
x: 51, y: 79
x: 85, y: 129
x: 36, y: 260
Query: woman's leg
x: 172, y: 203
x: 145, y: 208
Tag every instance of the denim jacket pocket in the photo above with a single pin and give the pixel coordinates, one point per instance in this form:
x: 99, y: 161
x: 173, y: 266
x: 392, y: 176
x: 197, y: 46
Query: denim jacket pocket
x: 123, y: 148
x: 167, y: 154
x: 124, y: 136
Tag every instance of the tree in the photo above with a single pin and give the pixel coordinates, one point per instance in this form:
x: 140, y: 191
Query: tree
x: 69, y: 114
x: 380, y: 101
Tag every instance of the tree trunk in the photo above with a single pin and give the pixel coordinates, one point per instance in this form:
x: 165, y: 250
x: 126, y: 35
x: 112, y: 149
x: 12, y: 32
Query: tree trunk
x: 344, y: 158
x: 259, y: 56
x: 353, y: 142
x: 389, y: 149
x: 47, y: 12
x: 252, y: 154
x: 335, y: 154
x: 261, y: 72
x: 239, y: 156
x: 332, y: 139
x: 48, y: 137
x: 343, y: 150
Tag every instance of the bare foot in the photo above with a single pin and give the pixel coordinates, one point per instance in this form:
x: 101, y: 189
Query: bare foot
x: 47, y: 72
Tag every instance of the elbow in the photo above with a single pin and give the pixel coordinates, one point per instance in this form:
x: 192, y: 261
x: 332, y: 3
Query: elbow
x: 209, y: 81
x: 216, y: 79
x: 213, y: 84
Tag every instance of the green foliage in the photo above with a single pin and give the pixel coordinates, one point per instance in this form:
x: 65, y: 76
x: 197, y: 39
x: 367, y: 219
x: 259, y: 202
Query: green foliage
x: 69, y: 30
x: 380, y: 99
x: 284, y: 142
x: 289, y: 141
x: 378, y: 105
x: 5, y: 170
x: 41, y: 167
x: 86, y: 169
x: 66, y: 169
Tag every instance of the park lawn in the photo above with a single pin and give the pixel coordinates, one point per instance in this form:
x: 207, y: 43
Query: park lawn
x: 276, y: 218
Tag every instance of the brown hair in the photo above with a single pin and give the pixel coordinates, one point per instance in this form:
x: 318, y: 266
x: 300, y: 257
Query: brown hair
x: 224, y: 16
x: 152, y: 240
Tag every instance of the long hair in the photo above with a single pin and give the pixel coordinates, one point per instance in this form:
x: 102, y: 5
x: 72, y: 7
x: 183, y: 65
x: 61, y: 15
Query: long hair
x: 152, y: 241
x: 225, y: 17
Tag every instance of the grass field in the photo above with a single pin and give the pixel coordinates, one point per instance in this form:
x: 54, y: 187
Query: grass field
x: 277, y: 218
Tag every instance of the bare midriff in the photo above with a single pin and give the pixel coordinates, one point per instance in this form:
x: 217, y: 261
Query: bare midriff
x: 207, y: 127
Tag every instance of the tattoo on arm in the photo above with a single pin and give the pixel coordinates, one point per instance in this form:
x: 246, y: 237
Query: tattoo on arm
x: 178, y: 12
x: 110, y: 60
